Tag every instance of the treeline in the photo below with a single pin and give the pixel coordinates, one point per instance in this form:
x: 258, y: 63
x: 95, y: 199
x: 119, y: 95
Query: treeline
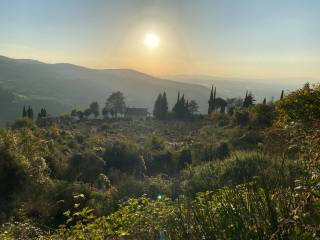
x: 183, y: 109
x: 115, y: 106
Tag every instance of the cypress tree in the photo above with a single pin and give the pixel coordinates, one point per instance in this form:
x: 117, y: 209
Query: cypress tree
x: 30, y: 113
x: 24, y: 112
x: 214, y: 99
x: 211, y: 101
x: 164, y: 106
x: 282, y: 95
x: 157, y: 107
x: 176, y: 106
x: 181, y: 108
x: 264, y: 101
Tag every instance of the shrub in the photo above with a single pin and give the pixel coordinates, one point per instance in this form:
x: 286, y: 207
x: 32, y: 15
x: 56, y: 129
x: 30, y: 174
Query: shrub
x: 300, y: 105
x: 241, y: 118
x: 222, y: 151
x: 239, y: 168
x: 263, y: 115
x: 249, y: 211
x: 248, y: 140
x: 125, y: 157
x: 184, y: 158
x: 86, y: 167
x: 160, y: 162
x: 24, y: 123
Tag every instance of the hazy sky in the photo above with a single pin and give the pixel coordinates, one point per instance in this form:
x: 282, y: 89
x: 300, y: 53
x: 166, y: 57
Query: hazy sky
x: 242, y: 38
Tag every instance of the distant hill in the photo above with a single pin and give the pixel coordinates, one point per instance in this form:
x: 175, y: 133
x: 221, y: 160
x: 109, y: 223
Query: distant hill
x: 62, y: 87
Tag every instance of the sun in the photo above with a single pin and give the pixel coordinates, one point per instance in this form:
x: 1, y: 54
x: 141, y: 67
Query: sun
x: 151, y: 40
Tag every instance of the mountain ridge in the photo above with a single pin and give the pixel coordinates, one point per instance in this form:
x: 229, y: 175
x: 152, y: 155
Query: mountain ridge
x: 69, y: 86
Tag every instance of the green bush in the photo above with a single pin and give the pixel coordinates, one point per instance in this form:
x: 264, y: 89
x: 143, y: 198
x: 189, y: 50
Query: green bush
x: 239, y: 168
x: 249, y: 211
x: 86, y: 167
x: 125, y: 157
x: 222, y: 151
x: 263, y: 115
x: 241, y: 118
x: 160, y: 162
x: 24, y: 123
x: 301, y: 105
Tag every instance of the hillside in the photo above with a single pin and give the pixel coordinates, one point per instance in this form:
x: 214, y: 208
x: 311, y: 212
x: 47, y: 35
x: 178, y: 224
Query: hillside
x: 242, y: 175
x: 61, y: 87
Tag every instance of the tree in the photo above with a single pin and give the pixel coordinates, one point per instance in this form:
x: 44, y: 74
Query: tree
x: 105, y: 112
x: 30, y: 113
x: 180, y: 108
x: 115, y: 104
x: 193, y: 107
x: 264, y: 102
x: 282, y: 95
x: 164, y: 105
x: 248, y: 100
x: 87, y: 112
x: 301, y: 105
x: 24, y: 112
x: 212, y: 100
x: 41, y: 121
x: 157, y: 106
x: 74, y: 113
x: 160, y: 110
x: 174, y: 109
x: 80, y: 114
x: 42, y: 113
x: 95, y: 109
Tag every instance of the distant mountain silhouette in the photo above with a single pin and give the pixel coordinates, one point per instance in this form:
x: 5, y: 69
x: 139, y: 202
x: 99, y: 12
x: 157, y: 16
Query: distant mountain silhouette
x: 61, y: 87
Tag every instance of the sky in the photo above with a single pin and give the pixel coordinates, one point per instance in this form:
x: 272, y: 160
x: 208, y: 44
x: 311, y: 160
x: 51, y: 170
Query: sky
x: 226, y: 38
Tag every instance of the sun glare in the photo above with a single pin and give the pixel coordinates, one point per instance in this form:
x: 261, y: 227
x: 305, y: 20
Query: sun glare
x: 151, y: 40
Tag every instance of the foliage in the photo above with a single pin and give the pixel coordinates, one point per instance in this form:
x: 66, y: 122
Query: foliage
x: 125, y: 157
x: 22, y: 230
x: 86, y: 167
x: 184, y: 159
x: 240, y: 167
x: 181, y: 108
x: 94, y: 109
x: 241, y: 118
x: 248, y: 100
x: 301, y: 105
x: 193, y: 107
x: 115, y: 104
x: 24, y: 123
x: 22, y: 165
x: 263, y: 115
x: 172, y: 179
x: 160, y: 110
x: 250, y: 211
